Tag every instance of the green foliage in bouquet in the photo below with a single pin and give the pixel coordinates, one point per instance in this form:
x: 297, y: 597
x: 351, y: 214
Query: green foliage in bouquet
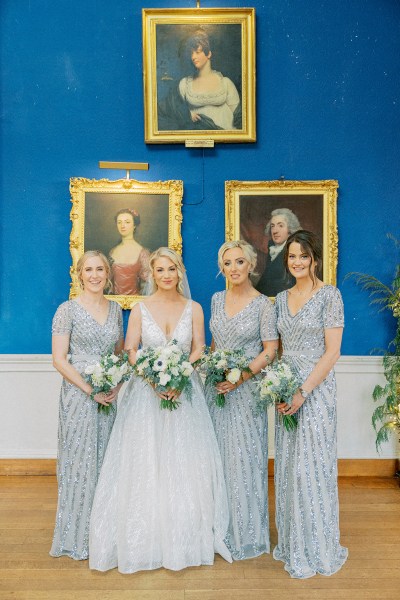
x: 386, y: 417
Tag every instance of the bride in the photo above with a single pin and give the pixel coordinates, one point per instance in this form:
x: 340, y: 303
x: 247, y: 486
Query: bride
x: 161, y: 499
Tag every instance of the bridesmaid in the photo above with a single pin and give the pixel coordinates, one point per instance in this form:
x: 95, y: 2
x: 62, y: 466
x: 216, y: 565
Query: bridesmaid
x: 310, y: 322
x: 86, y: 329
x: 243, y: 318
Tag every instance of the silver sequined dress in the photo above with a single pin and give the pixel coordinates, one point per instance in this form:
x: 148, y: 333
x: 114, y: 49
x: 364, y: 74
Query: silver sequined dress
x: 307, y: 508
x: 241, y: 431
x: 161, y: 498
x: 83, y: 432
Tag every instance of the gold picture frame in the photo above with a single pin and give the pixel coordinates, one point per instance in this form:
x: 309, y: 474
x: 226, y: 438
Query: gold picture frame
x: 95, y: 205
x: 248, y: 207
x: 169, y: 37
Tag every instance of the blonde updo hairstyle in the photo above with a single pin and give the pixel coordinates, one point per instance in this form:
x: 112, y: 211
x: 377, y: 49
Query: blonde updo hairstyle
x: 175, y: 258
x: 81, y: 264
x: 247, y: 249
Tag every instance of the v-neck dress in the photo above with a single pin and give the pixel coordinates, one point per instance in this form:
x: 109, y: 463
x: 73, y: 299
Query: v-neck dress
x: 242, y: 432
x: 83, y: 432
x: 307, y: 507
x: 161, y: 498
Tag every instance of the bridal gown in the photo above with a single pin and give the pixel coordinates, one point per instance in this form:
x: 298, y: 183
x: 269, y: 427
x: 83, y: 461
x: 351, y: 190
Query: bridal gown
x: 307, y: 506
x: 83, y: 431
x: 161, y: 498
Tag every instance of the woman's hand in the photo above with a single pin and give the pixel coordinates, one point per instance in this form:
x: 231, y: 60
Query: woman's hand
x: 105, y: 399
x: 224, y: 387
x: 195, y: 116
x: 286, y: 409
x: 169, y: 394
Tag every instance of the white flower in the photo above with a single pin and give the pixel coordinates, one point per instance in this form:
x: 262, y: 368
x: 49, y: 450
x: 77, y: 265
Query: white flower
x: 273, y: 378
x: 221, y: 364
x: 112, y: 371
x: 114, y: 358
x: 286, y: 372
x: 234, y: 375
x: 187, y: 368
x: 139, y: 353
x: 174, y: 371
x: 90, y: 369
x: 159, y: 365
x: 164, y: 378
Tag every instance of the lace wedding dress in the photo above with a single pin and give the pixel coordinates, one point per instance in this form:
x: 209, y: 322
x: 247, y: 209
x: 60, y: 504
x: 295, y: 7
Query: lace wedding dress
x: 161, y: 499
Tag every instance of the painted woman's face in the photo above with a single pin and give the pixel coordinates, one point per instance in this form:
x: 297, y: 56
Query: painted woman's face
x: 94, y: 274
x: 279, y: 229
x: 199, y: 58
x: 125, y: 224
x: 236, y: 266
x: 165, y: 273
x: 300, y: 264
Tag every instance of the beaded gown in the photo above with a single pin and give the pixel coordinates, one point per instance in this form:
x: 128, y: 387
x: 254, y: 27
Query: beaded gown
x: 161, y: 498
x: 241, y: 430
x: 83, y: 432
x: 307, y: 507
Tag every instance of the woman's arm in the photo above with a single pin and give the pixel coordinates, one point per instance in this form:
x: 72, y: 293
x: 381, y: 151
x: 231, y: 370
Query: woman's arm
x: 60, y: 347
x: 133, y: 333
x: 198, y: 335
x: 333, y: 340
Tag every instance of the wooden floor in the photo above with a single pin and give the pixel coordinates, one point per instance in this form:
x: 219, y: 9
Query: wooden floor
x: 370, y: 527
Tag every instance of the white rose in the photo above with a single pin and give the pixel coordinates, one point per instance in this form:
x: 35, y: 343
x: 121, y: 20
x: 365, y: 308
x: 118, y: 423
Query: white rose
x: 114, y: 358
x: 221, y: 364
x: 174, y: 371
x: 273, y: 378
x: 139, y: 353
x: 234, y: 375
x: 187, y: 368
x: 89, y: 369
x: 164, y: 378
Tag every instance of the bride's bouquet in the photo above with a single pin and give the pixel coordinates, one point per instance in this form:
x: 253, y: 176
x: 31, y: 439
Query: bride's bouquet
x: 222, y: 365
x: 106, y: 374
x: 165, y: 367
x: 278, y: 385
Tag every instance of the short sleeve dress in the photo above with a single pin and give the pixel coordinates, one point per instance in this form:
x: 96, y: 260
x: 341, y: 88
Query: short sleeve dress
x: 242, y: 432
x: 307, y: 506
x: 83, y: 431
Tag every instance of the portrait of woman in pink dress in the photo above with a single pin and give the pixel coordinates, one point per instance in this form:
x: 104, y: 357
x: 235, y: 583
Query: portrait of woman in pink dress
x: 129, y: 260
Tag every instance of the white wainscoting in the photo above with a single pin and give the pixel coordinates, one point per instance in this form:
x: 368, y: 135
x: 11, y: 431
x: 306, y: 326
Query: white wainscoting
x: 29, y: 389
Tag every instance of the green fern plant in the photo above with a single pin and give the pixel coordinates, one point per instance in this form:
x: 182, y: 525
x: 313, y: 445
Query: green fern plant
x: 386, y: 417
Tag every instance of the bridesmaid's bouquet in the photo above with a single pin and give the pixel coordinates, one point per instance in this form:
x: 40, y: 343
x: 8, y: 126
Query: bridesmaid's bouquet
x: 106, y: 374
x: 278, y: 385
x: 165, y: 367
x: 222, y: 365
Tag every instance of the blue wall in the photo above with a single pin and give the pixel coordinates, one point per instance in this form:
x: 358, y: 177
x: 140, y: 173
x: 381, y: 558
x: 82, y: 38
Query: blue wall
x: 328, y: 107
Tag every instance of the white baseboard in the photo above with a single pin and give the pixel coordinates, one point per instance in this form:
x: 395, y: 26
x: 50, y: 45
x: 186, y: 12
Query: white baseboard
x: 29, y: 408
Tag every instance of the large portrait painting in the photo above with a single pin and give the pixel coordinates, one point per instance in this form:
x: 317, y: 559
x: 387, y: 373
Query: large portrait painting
x: 199, y: 75
x: 126, y: 220
x: 264, y: 213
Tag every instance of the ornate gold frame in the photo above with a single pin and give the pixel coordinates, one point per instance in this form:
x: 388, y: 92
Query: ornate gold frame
x: 153, y: 73
x: 325, y: 189
x: 139, y: 190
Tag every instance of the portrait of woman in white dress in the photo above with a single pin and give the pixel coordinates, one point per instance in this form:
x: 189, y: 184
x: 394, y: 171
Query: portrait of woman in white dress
x: 206, y: 98
x: 161, y: 499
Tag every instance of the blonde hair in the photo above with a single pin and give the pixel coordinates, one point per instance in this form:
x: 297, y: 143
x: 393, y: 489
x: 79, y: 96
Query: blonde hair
x: 247, y: 249
x: 175, y: 258
x: 91, y: 254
